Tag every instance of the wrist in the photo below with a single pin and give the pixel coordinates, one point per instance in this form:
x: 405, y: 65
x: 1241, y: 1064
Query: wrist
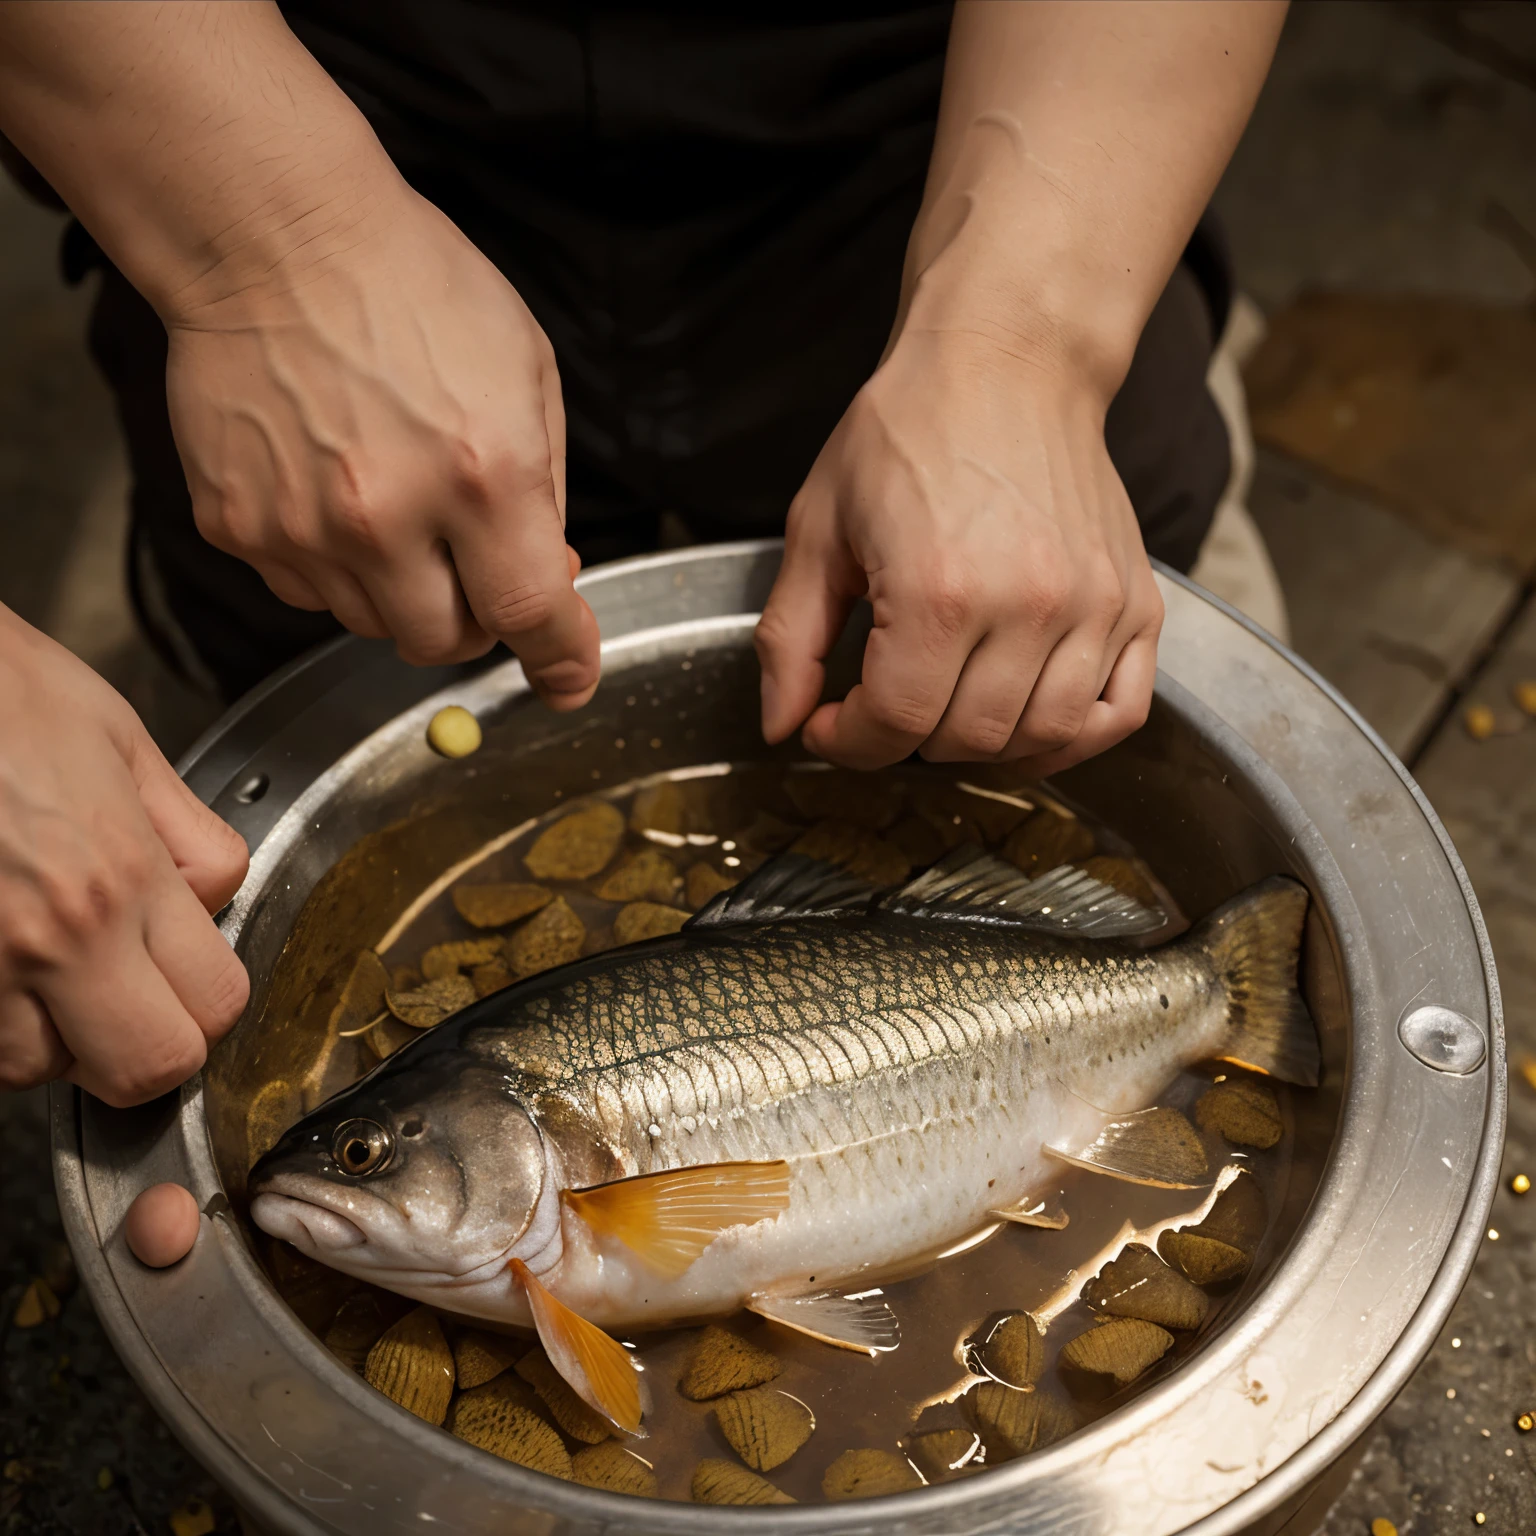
x: 1041, y: 299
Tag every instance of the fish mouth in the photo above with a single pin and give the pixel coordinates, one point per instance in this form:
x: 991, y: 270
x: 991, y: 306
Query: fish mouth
x: 309, y: 1227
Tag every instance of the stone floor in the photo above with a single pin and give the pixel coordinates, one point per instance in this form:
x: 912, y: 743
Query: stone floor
x: 1386, y: 135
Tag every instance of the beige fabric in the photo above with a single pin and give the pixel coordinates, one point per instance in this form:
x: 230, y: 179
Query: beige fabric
x: 1233, y: 562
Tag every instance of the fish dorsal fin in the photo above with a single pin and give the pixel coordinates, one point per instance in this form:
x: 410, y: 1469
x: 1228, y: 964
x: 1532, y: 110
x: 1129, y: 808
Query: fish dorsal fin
x: 1035, y: 1211
x: 973, y: 886
x: 862, y: 1323
x: 597, y: 1367
x: 670, y: 1218
x: 790, y: 885
x: 1155, y: 1146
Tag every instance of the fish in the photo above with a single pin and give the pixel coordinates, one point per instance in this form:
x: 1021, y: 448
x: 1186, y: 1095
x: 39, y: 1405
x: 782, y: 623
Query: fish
x: 813, y: 1087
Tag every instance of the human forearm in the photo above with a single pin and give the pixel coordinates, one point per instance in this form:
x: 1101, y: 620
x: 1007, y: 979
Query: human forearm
x: 1077, y: 145
x: 200, y: 143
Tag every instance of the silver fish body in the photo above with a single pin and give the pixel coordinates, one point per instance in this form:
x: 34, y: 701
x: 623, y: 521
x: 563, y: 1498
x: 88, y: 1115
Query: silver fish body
x: 904, y: 1069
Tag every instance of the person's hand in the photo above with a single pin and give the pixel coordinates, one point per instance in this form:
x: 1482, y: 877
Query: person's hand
x: 112, y: 973
x: 968, y: 494
x: 380, y: 432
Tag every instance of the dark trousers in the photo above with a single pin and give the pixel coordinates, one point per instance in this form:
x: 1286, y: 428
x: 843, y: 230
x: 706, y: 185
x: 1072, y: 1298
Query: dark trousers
x: 707, y: 213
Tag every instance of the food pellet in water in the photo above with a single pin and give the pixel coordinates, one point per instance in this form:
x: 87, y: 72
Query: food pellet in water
x: 454, y: 732
x: 501, y: 904
x: 361, y: 1323
x: 767, y: 833
x: 918, y: 840
x: 490, y: 978
x: 1015, y: 1351
x: 1239, y: 1215
x: 445, y: 960
x: 764, y: 1426
x: 611, y: 1467
x: 362, y: 995
x: 1139, y: 1284
x: 413, y: 1366
x: 723, y: 1482
x: 1205, y: 1260
x: 867, y: 1474
x: 388, y: 1035
x: 939, y: 1452
x: 1123, y: 1348
x: 273, y: 1110
x: 497, y: 1419
x: 648, y: 875
x: 855, y: 849
x: 1124, y: 875
x: 1245, y: 1112
x: 868, y: 800
x: 646, y: 920
x: 575, y: 1417
x: 578, y: 845
x: 314, y: 1291
x: 726, y: 1362
x: 704, y: 883
x: 1013, y: 1423
x: 961, y: 817
x: 1383, y: 1528
x: 549, y: 938
x: 1045, y: 840
x: 432, y: 1001
x: 480, y: 1356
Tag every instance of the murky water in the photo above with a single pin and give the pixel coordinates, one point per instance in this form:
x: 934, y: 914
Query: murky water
x: 714, y: 824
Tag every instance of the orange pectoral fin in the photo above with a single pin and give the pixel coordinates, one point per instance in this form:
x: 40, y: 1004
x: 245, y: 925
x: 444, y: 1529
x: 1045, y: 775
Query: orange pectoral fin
x: 597, y: 1367
x: 670, y: 1218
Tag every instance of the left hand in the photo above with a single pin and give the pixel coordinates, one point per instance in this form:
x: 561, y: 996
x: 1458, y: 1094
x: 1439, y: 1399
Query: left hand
x: 967, y: 492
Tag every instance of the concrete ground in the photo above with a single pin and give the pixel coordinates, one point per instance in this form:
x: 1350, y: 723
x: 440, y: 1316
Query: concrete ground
x: 1389, y: 155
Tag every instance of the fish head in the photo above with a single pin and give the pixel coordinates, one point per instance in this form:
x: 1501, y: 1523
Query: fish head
x: 411, y: 1179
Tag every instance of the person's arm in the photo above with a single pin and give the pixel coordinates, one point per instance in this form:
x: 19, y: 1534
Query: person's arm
x: 365, y: 409
x: 967, y: 491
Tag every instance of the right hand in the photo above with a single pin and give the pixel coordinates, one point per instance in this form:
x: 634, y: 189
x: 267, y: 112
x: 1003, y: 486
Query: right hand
x: 376, y: 426
x: 112, y: 973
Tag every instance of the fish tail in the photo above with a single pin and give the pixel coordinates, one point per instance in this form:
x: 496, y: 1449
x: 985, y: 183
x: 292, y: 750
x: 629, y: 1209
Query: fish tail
x: 1255, y: 942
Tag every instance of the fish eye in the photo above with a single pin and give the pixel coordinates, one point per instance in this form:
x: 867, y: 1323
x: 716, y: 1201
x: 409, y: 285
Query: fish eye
x: 361, y: 1147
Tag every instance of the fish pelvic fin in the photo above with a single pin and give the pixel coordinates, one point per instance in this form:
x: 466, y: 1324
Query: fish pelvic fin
x: 597, y: 1367
x: 788, y: 886
x: 968, y: 885
x: 1034, y: 1211
x: 863, y: 1323
x: 1255, y: 942
x: 1153, y: 1146
x: 668, y: 1219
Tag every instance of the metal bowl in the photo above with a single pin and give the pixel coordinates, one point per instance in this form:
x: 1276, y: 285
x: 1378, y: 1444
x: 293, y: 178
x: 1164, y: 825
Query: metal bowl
x: 1249, y: 765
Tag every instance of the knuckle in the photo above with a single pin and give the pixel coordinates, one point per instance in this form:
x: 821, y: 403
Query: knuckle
x: 517, y: 610
x: 948, y: 601
x: 1054, y: 730
x: 985, y: 735
x: 901, y: 714
x: 1046, y: 596
x: 227, y: 996
x: 772, y: 634
x: 161, y: 1071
